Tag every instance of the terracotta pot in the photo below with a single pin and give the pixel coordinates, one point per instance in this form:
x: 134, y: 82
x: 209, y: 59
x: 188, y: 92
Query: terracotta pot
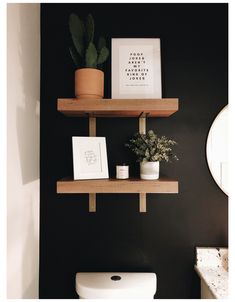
x: 89, y: 83
x: 149, y: 170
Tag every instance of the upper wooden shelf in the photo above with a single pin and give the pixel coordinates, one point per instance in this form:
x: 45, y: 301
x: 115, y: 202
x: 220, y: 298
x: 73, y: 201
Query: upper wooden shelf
x: 162, y: 185
x: 118, y: 107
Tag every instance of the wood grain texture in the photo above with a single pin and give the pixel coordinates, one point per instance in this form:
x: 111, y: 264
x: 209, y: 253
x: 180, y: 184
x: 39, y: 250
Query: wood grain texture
x: 163, y: 185
x: 118, y: 107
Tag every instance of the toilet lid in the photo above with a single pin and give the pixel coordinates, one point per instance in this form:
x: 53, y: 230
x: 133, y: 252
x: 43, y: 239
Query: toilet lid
x: 115, y: 284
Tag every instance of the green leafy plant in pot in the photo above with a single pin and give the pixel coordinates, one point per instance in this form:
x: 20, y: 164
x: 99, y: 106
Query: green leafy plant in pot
x: 88, y: 57
x: 150, y: 150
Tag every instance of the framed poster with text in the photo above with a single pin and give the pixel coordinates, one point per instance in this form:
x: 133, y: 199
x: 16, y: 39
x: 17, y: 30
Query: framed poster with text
x: 136, y: 68
x: 89, y: 157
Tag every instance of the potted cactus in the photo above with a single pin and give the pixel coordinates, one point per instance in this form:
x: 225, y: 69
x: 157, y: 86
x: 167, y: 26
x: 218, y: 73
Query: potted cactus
x: 150, y: 150
x: 87, y: 57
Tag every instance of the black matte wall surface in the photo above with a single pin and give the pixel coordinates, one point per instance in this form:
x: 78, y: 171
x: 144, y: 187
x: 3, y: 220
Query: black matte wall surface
x: 117, y: 237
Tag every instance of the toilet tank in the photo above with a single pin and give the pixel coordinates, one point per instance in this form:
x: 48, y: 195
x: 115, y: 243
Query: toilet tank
x: 116, y: 285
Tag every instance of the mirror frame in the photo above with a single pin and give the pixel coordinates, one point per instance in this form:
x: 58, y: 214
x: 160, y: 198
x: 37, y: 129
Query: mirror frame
x: 207, y: 147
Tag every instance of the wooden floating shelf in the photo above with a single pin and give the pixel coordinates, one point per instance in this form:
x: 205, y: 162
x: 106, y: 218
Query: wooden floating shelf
x: 139, y: 108
x: 118, y: 107
x: 162, y: 185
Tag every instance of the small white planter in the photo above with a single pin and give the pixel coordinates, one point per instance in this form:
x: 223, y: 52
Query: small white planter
x: 149, y: 170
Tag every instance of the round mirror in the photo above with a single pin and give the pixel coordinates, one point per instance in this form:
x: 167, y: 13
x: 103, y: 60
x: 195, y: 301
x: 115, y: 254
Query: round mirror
x: 217, y: 149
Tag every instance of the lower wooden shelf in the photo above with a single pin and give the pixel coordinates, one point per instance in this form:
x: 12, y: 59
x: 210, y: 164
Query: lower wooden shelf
x: 161, y: 185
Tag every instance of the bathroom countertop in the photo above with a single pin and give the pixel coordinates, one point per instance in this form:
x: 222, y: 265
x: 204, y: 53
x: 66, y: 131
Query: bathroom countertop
x: 212, y: 267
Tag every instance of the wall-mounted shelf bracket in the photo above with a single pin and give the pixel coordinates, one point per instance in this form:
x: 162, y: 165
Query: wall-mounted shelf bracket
x: 142, y: 196
x: 92, y: 126
x: 142, y: 203
x: 92, y: 202
x: 92, y: 132
x: 142, y: 124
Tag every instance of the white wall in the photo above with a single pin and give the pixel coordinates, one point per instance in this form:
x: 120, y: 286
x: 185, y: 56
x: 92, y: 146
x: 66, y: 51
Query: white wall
x: 23, y: 92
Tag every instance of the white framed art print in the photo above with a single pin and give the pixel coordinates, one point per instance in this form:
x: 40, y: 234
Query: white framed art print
x: 136, y: 68
x: 89, y: 157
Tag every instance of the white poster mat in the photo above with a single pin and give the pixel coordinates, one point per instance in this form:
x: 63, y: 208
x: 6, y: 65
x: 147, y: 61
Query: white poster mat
x: 89, y: 158
x: 136, y: 68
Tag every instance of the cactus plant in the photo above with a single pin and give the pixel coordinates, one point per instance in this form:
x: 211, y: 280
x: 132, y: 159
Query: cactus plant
x: 84, y: 52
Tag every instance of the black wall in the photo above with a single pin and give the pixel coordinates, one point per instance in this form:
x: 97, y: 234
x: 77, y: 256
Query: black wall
x: 117, y: 237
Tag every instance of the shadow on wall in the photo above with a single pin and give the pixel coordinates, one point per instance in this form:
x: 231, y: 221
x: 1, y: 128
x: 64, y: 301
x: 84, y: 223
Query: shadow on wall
x: 30, y: 254
x: 27, y: 115
x: 26, y: 208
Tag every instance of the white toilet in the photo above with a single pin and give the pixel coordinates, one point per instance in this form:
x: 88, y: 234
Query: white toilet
x: 116, y: 285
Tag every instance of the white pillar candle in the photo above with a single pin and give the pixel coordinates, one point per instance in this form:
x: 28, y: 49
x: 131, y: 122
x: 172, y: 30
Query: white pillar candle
x: 122, y: 172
